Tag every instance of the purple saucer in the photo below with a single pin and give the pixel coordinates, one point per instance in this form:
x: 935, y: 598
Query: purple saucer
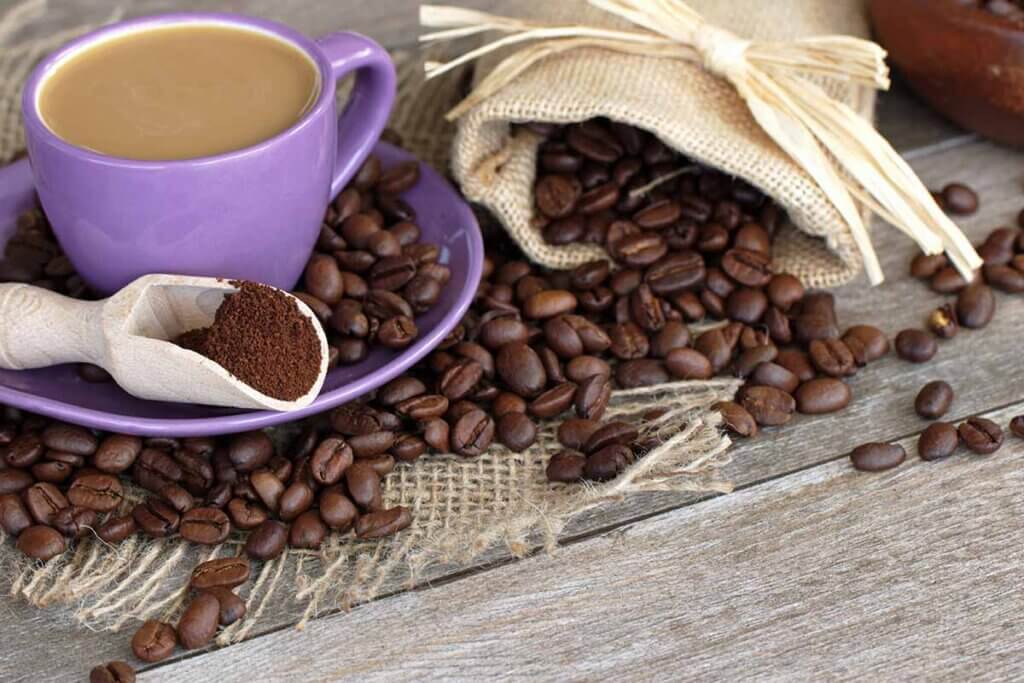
x: 444, y: 218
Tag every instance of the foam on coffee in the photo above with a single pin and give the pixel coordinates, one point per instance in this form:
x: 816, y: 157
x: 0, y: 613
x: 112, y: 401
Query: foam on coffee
x: 179, y: 92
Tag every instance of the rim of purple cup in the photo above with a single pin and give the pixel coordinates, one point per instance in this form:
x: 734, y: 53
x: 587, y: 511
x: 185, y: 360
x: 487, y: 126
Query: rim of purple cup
x: 275, y: 30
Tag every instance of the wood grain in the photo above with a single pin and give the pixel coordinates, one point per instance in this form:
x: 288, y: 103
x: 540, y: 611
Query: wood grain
x: 976, y: 363
x: 822, y: 575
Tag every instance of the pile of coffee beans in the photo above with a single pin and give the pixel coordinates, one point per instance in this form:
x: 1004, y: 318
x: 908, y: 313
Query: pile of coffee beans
x: 370, y: 275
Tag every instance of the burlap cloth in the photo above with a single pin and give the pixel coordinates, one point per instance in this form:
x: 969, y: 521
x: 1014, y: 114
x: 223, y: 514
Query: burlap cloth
x: 462, y: 508
x: 693, y: 111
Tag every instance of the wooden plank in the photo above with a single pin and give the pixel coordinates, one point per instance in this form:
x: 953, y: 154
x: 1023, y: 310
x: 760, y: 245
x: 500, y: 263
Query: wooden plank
x: 822, y: 575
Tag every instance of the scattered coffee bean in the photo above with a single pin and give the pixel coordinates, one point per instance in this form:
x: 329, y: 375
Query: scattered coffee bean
x: 199, y: 621
x: 959, y: 199
x: 938, y: 441
x: 934, y: 400
x: 980, y: 435
x: 566, y: 467
x: 916, y: 346
x: 1017, y: 426
x: 154, y: 641
x: 737, y: 419
x: 822, y: 395
x: 112, y: 672
x: 975, y: 306
x: 942, y: 322
x: 876, y: 457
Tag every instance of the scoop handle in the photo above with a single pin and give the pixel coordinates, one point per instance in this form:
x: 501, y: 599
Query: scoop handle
x: 39, y: 328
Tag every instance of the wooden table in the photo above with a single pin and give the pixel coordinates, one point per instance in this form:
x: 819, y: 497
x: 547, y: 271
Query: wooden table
x: 809, y: 571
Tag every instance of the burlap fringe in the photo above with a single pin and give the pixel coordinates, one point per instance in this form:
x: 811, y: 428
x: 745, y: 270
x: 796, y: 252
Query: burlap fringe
x: 463, y: 510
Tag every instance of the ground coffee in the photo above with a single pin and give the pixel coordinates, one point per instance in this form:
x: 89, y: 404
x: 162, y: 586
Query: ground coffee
x: 260, y: 336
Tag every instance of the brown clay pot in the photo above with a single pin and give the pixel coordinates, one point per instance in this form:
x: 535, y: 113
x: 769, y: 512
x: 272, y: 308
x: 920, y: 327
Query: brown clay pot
x: 966, y: 62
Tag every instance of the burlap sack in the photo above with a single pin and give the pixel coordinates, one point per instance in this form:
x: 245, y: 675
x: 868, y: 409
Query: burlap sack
x: 461, y: 508
x: 690, y: 109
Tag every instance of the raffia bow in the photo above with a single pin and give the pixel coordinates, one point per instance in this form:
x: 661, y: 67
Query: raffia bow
x: 842, y: 153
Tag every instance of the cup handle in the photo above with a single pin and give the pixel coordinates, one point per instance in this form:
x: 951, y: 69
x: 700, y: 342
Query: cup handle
x: 364, y: 118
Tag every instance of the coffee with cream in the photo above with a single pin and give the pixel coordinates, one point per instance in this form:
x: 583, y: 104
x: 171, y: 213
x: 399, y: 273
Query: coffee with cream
x: 179, y: 92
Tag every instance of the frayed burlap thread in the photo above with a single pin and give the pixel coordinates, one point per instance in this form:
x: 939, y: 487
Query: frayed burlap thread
x: 690, y: 109
x: 465, y: 512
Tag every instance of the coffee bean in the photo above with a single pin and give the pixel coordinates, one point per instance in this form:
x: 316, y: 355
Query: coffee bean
x: 980, y: 435
x: 924, y: 266
x: 549, y: 303
x: 472, y: 434
x: 198, y: 623
x: 688, y: 364
x: 44, y: 500
x: 14, y: 517
x: 225, y: 572
x: 156, y: 518
x: 822, y: 395
x: 24, y: 451
x: 746, y: 305
x: 674, y: 335
x: 916, y: 346
x: 521, y: 369
x: 337, y: 510
x: 774, y: 375
x: 1017, y: 426
x: 866, y: 342
x: 938, y: 441
x: 383, y: 523
x: 959, y: 199
x: 455, y: 383
x: 556, y: 195
x: 330, y: 460
x: 323, y: 279
x: 516, y: 432
x: 607, y: 463
x: 809, y: 327
x: 747, y: 267
x: 592, y: 397
x: 675, y: 272
x: 554, y: 401
x: 737, y: 419
x: 934, y: 400
x: 832, y: 357
x: 784, y: 290
x: 154, y: 641
x: 999, y: 246
x: 639, y: 250
x: 975, y: 306
x: 232, y: 607
x: 715, y: 347
x: 769, y: 406
x: 397, y: 332
x: 246, y: 514
x: 112, y: 672
x: 612, y: 433
x: 69, y: 439
x: 371, y: 445
x: 363, y: 485
x: 206, y: 526
x: 1005, y: 278
x: 399, y: 178
x: 566, y: 467
x: 947, y: 281
x: 267, y: 541
x: 753, y: 237
x: 942, y: 322
x: 99, y: 492
x: 876, y: 457
x: 308, y: 531
x: 250, y: 450
x: 117, y: 529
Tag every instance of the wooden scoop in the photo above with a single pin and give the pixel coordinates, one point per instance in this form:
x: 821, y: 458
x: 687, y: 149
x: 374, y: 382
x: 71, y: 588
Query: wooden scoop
x: 128, y: 335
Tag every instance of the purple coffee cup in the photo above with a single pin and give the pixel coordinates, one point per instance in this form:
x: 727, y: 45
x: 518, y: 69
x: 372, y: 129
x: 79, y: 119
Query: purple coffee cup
x: 251, y: 214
